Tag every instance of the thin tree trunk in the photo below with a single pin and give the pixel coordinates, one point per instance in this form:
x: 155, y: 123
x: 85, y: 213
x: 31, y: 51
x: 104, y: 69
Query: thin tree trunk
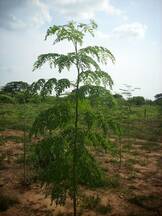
x: 24, y: 147
x: 24, y: 155
x: 145, y: 114
x: 75, y: 141
x: 129, y: 111
x: 120, y: 162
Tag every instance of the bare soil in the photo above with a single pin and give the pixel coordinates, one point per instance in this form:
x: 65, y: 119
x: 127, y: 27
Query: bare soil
x: 135, y: 189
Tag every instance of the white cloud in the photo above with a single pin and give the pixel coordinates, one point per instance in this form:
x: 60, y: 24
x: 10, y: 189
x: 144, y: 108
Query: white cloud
x: 101, y: 35
x: 30, y: 13
x: 135, y: 29
x: 15, y: 23
x: 42, y: 14
x: 110, y: 9
x: 83, y: 9
x: 35, y: 13
x: 131, y: 30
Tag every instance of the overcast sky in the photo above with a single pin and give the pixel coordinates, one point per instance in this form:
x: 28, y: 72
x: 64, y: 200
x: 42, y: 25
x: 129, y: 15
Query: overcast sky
x: 131, y: 29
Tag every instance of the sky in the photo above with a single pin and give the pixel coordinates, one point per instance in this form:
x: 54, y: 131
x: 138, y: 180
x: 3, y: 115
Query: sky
x: 131, y: 29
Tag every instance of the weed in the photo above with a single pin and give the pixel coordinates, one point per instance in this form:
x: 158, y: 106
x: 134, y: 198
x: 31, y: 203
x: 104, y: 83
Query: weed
x: 90, y: 202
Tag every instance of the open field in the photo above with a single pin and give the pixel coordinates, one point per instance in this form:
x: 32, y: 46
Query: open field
x: 72, y: 143
x: 134, y: 189
x: 144, y: 126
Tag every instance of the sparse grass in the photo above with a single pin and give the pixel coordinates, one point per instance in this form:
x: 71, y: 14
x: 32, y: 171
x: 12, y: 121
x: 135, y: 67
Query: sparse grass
x: 7, y: 201
x: 113, y: 181
x: 15, y: 113
x: 16, y: 139
x: 138, y: 214
x: 93, y: 202
x: 132, y: 175
x: 60, y: 214
x: 114, y: 161
x: 129, y: 163
x: 144, y: 129
x: 113, y: 149
x: 127, y: 147
x: 135, y: 152
x: 2, y: 157
x: 2, y: 140
x: 126, y: 191
x: 150, y: 146
x: 20, y: 159
x: 148, y: 202
x: 90, y: 202
x: 143, y: 162
x: 104, y: 209
x: 159, y: 162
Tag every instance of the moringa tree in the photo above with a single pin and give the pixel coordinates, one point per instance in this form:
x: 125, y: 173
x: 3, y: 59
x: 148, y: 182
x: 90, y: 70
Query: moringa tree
x: 72, y: 157
x: 58, y: 86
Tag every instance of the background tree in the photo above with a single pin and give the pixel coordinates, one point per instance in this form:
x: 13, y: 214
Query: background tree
x: 137, y: 100
x: 15, y: 87
x: 72, y: 158
x: 127, y: 92
x: 158, y: 99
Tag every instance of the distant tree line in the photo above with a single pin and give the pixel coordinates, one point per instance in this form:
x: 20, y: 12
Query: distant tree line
x: 37, y: 92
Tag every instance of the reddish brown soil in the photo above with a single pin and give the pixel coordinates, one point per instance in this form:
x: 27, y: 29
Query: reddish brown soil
x: 140, y: 175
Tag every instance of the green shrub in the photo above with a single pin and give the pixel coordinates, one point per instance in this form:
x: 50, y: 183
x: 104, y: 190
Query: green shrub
x: 6, y: 99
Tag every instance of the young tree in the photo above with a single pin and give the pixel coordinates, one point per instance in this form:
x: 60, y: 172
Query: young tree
x: 127, y: 92
x: 87, y: 63
x: 58, y: 86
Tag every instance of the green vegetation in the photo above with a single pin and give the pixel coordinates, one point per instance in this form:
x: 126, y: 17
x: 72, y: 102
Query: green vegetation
x: 67, y: 135
x: 64, y: 123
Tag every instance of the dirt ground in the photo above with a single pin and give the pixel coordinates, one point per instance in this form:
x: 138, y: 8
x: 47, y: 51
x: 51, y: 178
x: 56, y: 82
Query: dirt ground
x: 135, y: 189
